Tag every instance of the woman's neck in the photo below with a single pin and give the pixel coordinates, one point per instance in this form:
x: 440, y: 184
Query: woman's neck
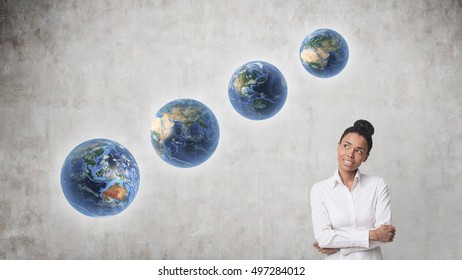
x: 348, y: 177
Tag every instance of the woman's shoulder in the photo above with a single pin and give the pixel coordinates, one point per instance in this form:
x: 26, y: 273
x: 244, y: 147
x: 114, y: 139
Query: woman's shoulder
x: 373, y: 179
x: 323, y: 184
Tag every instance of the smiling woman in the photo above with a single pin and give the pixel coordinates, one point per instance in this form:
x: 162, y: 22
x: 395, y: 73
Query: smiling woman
x: 351, y: 211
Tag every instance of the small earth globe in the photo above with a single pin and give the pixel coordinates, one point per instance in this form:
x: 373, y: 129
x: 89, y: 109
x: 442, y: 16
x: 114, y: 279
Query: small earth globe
x: 257, y: 90
x: 185, y: 133
x: 324, y: 53
x: 100, y: 178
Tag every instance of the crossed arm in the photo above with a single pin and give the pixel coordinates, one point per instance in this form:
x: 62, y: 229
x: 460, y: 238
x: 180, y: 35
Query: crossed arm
x: 384, y: 233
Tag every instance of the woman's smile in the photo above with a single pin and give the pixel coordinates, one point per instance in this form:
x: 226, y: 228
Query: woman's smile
x: 348, y: 162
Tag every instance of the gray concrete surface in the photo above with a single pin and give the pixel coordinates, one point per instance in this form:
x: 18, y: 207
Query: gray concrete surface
x: 71, y: 71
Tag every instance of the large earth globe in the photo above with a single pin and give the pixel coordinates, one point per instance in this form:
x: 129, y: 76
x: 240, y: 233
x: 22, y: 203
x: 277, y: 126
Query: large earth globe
x: 257, y: 90
x: 185, y: 133
x: 324, y: 53
x: 100, y: 178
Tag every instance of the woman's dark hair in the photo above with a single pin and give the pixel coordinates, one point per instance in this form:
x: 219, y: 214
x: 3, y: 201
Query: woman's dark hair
x: 363, y: 128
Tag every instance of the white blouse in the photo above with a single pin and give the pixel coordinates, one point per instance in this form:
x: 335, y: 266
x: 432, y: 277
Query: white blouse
x: 342, y: 219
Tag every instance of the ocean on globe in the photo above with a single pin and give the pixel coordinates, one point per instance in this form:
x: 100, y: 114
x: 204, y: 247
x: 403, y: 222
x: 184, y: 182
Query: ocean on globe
x: 257, y: 90
x: 324, y: 53
x: 185, y: 133
x: 100, y: 178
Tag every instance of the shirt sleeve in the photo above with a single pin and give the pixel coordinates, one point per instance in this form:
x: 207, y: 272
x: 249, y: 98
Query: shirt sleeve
x: 323, y: 232
x: 382, y: 217
x: 382, y: 208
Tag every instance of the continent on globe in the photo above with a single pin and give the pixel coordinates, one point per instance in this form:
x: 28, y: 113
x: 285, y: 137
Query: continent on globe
x: 185, y: 133
x: 324, y: 53
x: 257, y: 90
x: 115, y: 192
x: 100, y: 178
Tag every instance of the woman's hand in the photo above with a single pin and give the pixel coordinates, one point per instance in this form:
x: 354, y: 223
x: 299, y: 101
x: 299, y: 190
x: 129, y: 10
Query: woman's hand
x: 385, y: 233
x: 326, y: 251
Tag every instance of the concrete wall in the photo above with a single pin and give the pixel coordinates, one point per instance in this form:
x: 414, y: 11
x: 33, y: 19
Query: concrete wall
x: 77, y: 70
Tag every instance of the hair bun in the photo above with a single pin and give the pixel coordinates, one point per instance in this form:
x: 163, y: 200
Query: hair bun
x: 365, y: 126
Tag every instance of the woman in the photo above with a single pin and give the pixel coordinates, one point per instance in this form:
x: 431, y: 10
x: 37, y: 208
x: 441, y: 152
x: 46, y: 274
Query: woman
x: 350, y: 210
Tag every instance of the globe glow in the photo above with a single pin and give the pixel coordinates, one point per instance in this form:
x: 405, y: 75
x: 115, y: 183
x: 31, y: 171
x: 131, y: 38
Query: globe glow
x: 324, y: 53
x: 185, y: 133
x: 100, y: 178
x: 257, y: 90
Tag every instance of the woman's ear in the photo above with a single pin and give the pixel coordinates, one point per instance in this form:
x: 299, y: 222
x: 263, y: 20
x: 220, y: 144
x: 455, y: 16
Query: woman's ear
x: 366, y: 157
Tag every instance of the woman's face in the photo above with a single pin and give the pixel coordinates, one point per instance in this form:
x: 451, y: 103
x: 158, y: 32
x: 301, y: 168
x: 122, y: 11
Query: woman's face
x: 352, y: 151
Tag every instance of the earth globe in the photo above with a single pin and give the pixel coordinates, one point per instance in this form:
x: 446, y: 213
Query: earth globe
x: 257, y: 90
x: 100, y: 178
x: 185, y: 133
x: 324, y: 53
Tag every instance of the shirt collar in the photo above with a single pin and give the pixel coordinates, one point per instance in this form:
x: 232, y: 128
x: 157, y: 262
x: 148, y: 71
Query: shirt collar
x: 336, y: 178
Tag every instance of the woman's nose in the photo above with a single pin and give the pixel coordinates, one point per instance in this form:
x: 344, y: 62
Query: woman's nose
x: 350, y: 153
